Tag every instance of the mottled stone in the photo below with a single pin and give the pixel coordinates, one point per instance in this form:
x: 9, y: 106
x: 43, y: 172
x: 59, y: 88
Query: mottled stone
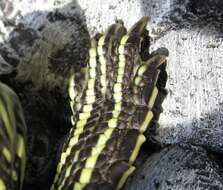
x: 40, y: 49
x: 178, y: 167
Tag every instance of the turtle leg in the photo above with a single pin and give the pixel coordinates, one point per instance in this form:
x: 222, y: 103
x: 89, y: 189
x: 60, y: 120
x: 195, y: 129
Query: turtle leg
x: 12, y: 140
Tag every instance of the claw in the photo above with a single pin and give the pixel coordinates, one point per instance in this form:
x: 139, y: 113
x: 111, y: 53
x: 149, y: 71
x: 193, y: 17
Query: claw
x: 140, y: 27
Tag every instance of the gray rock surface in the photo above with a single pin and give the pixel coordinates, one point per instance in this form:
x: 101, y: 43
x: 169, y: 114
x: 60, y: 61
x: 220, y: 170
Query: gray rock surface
x: 177, y: 167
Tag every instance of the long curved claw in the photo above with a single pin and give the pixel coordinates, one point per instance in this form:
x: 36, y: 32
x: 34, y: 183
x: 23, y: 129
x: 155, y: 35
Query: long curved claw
x: 145, y: 81
x: 140, y: 27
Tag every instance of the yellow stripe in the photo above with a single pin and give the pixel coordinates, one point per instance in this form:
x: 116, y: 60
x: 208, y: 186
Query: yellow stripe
x: 137, y: 80
x: 142, y: 69
x: 86, y: 175
x: 102, y: 61
x: 146, y: 122
x: 6, y: 122
x: 90, y: 99
x: 140, y: 140
x: 7, y: 154
x: 87, y: 108
x: 91, y: 161
x: 8, y: 100
x: 153, y: 98
x: 21, y: 152
x: 92, y: 72
x: 90, y: 92
x: 101, y: 41
x: 91, y: 83
x: 64, y: 155
x: 124, y: 40
x: 92, y: 62
x: 86, y: 172
x: 93, y: 52
x: 68, y: 170
x: 14, y: 176
x: 78, y: 186
x: 2, y: 185
x: 83, y: 117
x: 124, y: 177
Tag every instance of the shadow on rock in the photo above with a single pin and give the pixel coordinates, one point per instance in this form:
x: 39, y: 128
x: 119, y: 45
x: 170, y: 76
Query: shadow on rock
x: 39, y: 55
x: 206, y: 132
x: 177, y: 167
x: 189, y: 15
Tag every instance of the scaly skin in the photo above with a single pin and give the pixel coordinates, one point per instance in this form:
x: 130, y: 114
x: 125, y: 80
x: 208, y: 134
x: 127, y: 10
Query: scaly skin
x: 121, y: 98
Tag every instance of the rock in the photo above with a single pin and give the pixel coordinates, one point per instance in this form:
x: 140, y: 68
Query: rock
x: 178, y: 167
x: 38, y: 56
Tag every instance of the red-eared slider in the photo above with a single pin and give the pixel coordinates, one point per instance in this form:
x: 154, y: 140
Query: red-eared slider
x: 114, y: 100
